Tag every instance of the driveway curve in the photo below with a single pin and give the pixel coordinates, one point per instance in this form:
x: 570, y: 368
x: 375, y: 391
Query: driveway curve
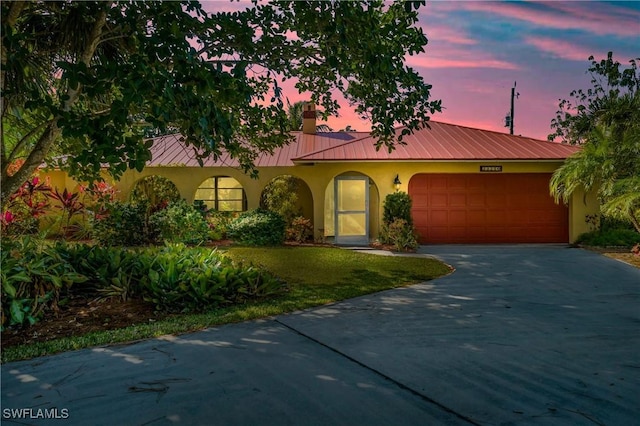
x: 517, y: 335
x: 526, y: 334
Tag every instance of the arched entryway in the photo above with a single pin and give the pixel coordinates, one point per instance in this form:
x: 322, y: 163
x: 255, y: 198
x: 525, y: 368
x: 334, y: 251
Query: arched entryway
x: 351, y: 209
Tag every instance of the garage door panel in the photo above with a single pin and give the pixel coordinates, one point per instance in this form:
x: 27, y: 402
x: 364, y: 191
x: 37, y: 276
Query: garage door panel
x: 437, y: 183
x: 477, y: 233
x: 496, y: 200
x: 458, y: 218
x: 493, y: 208
x: 477, y: 200
x: 476, y: 218
x: 438, y: 217
x: 457, y: 182
x: 458, y: 232
x: 438, y: 200
x: 496, y: 217
x: 458, y: 200
x: 434, y: 232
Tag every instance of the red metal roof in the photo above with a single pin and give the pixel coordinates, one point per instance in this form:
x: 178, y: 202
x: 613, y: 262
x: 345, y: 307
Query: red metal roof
x: 443, y: 142
x: 440, y: 142
x: 170, y: 150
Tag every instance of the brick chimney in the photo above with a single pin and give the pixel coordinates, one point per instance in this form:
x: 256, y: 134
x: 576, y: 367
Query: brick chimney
x: 309, y: 118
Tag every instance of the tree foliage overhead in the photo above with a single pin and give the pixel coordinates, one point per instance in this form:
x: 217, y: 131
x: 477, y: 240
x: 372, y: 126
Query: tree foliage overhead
x: 578, y: 116
x: 90, y: 78
x: 608, y: 128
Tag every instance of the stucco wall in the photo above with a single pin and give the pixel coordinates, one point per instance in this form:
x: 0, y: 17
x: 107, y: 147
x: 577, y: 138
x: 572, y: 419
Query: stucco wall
x: 319, y: 176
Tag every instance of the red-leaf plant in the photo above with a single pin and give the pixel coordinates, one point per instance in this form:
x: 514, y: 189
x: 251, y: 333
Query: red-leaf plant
x: 26, y: 205
x: 69, y: 203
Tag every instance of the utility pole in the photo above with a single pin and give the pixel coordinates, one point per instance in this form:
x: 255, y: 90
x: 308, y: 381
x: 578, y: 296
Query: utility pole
x: 513, y: 95
x: 509, y: 119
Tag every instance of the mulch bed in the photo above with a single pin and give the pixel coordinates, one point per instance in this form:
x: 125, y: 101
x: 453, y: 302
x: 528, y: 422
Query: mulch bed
x: 81, y: 316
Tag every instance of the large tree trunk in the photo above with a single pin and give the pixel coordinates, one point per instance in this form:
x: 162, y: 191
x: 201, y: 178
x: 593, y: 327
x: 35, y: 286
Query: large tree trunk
x: 10, y: 184
x: 52, y: 132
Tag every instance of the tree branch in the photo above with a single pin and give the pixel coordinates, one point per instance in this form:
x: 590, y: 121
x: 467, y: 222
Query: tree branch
x: 16, y: 149
x: 85, y: 56
x: 52, y: 132
x: 11, y: 183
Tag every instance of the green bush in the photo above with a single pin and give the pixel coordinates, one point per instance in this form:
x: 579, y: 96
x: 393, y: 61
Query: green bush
x: 400, y: 234
x: 187, y: 280
x: 397, y: 223
x: 610, y: 238
x: 37, y: 275
x: 281, y: 196
x: 34, y: 277
x: 154, y: 191
x: 122, y: 224
x: 219, y: 223
x: 258, y: 228
x: 112, y: 271
x: 397, y: 206
x: 180, y: 223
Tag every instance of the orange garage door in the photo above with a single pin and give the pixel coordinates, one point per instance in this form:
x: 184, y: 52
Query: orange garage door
x: 487, y: 208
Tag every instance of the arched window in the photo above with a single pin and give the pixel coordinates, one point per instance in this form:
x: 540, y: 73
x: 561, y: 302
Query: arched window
x: 222, y: 193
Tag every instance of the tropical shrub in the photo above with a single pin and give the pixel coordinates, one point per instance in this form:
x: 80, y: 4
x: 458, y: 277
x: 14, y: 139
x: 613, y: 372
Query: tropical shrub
x: 610, y: 237
x: 34, y: 276
x: 258, y: 228
x: 187, y: 280
x: 281, y: 196
x: 180, y: 223
x: 401, y: 235
x: 219, y: 223
x: 122, y: 224
x: 397, y: 206
x: 111, y: 271
x: 156, y: 192
x: 37, y: 276
x: 300, y: 230
x: 25, y: 208
x: 71, y: 221
x: 397, y: 224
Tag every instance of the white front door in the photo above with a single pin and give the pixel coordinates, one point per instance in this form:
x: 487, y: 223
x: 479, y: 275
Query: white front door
x: 352, y: 210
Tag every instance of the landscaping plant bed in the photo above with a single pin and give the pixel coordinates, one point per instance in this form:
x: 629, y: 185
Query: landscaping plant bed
x: 81, y: 316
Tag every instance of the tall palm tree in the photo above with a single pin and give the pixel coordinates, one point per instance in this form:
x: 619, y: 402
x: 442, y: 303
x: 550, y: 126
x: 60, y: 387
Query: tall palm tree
x: 609, y: 161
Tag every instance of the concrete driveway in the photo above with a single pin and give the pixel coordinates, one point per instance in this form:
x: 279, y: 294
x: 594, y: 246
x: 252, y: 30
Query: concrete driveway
x: 518, y: 335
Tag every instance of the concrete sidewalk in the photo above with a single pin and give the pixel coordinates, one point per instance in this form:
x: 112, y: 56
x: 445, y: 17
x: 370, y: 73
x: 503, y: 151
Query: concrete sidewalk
x: 517, y: 335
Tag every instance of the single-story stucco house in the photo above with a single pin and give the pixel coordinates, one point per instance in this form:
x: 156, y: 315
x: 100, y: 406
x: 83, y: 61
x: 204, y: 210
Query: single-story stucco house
x: 467, y: 185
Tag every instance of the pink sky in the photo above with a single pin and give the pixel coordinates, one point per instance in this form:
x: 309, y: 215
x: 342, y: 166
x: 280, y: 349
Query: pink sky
x: 478, y: 49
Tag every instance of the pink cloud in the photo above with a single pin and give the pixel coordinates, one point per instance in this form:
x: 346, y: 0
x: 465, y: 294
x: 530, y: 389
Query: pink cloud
x: 586, y: 16
x: 560, y: 49
x: 571, y: 51
x: 438, y: 34
x: 457, y: 60
x: 596, y: 14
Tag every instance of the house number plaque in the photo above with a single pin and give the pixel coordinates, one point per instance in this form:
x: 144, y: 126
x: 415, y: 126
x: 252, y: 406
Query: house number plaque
x: 490, y: 169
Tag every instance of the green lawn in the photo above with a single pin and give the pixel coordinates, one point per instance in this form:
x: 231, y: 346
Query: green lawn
x: 314, y: 276
x: 319, y: 275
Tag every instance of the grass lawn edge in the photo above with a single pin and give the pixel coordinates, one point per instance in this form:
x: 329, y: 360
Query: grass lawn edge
x: 187, y: 323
